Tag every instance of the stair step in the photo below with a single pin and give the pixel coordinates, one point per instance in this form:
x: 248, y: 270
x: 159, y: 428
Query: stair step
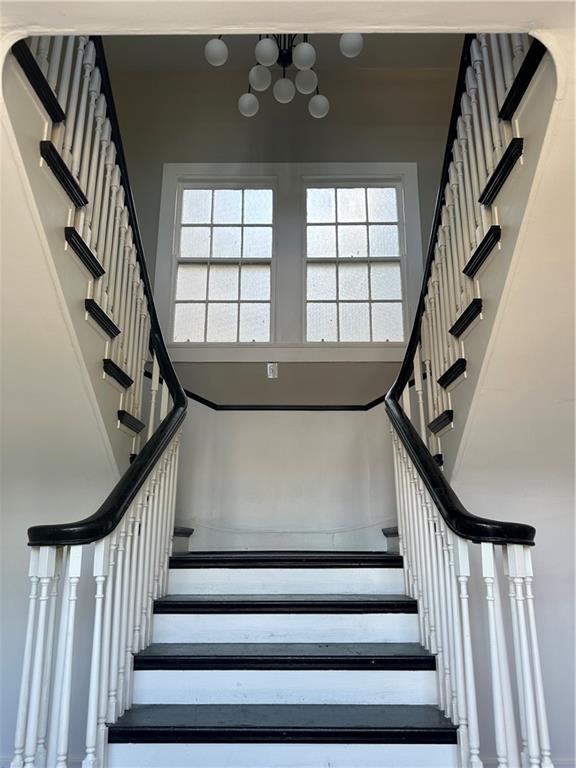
x: 276, y: 723
x: 286, y: 559
x: 391, y: 531
x: 285, y: 604
x: 284, y: 656
x: 303, y: 673
x: 285, y: 618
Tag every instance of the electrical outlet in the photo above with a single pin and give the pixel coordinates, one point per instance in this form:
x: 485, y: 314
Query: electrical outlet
x: 272, y: 370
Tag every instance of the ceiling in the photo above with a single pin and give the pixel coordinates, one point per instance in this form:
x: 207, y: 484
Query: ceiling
x: 169, y: 53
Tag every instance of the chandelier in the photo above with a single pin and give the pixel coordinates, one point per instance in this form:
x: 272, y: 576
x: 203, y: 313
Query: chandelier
x: 284, y: 52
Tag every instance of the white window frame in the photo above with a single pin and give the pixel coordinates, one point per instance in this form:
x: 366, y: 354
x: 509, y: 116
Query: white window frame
x: 177, y: 259
x: 288, y: 278
x: 351, y: 182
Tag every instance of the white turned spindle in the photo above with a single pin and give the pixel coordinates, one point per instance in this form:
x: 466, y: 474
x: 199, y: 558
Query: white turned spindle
x: 46, y: 572
x: 66, y: 73
x: 24, y: 697
x: 498, y: 68
x: 543, y: 730
x: 101, y: 737
x: 72, y: 105
x: 88, y: 62
x: 116, y: 623
x: 73, y: 577
x: 507, y: 65
x: 100, y: 187
x: 42, y: 54
x: 88, y: 156
x: 517, y: 52
x: 100, y: 571
x: 54, y: 65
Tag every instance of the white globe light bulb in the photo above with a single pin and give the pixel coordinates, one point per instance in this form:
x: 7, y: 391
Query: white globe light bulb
x: 266, y: 52
x: 248, y: 105
x: 306, y: 81
x: 351, y: 44
x: 318, y: 106
x: 304, y: 56
x: 216, y: 52
x: 284, y: 90
x: 259, y: 77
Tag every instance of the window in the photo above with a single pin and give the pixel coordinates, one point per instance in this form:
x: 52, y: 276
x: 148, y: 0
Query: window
x: 224, y: 245
x: 353, y: 267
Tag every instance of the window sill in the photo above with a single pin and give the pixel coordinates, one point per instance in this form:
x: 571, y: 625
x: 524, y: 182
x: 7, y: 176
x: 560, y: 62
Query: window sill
x: 389, y: 352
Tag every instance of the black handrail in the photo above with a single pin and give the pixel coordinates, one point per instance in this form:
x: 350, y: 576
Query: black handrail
x: 111, y: 512
x: 457, y: 518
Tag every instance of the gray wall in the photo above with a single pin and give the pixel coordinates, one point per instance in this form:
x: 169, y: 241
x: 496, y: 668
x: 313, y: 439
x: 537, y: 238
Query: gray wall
x: 377, y: 115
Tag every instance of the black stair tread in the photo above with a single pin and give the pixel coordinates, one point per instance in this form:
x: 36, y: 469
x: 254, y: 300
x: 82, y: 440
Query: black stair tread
x: 381, y: 656
x: 286, y: 559
x: 270, y: 603
x: 390, y: 531
x: 181, y: 723
x: 183, y: 531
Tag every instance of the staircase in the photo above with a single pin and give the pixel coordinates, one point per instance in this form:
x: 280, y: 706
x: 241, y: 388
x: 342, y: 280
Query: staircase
x: 284, y: 659
x: 277, y: 659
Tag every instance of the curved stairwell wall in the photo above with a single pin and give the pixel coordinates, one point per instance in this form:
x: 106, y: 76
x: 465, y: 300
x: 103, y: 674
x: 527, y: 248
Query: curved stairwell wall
x: 515, y: 454
x: 286, y: 480
x: 56, y: 452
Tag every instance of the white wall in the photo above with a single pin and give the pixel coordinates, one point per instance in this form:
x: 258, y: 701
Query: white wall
x: 286, y: 479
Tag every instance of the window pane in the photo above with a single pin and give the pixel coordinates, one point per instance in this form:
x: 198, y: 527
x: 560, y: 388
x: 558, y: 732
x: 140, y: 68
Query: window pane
x: 254, y: 322
x: 321, y: 242
x: 189, y: 322
x: 227, y: 206
x: 382, y: 204
x: 196, y: 206
x: 226, y: 243
x: 386, y: 281
x: 321, y: 281
x: 384, y: 240
x: 354, y: 322
x: 351, y: 205
x: 195, y: 242
x: 223, y: 283
x: 353, y: 281
x: 352, y: 242
x: 321, y: 322
x: 255, y: 282
x: 222, y: 322
x: 258, y: 206
x: 320, y: 206
x: 387, y: 322
x: 257, y: 243
x: 191, y: 282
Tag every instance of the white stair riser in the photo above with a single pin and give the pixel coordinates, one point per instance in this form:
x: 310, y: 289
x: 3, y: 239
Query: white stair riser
x: 285, y: 628
x: 167, y: 686
x: 282, y: 755
x: 285, y: 581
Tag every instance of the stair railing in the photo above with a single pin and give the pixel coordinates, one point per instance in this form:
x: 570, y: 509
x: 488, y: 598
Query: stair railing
x: 436, y: 532
x: 127, y: 541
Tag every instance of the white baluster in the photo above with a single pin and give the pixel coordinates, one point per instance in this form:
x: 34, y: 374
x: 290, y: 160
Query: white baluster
x: 153, y: 393
x: 111, y: 232
x: 112, y: 248
x: 100, y: 571
x: 48, y: 659
x: 117, y: 285
x: 73, y: 577
x: 138, y: 505
x: 507, y: 65
x: 106, y: 641
x: 536, y: 665
x: 517, y: 52
x: 504, y: 759
x: 54, y: 66
x: 91, y: 179
x: 475, y: 88
x: 491, y: 100
x: 130, y: 518
x: 498, y: 67
x: 87, y: 65
x: 34, y: 42
x: 42, y: 54
x: 463, y: 576
x: 116, y: 623
x: 46, y: 571
x: 517, y: 571
x: 87, y: 153
x: 95, y: 209
x: 72, y: 106
x: 22, y: 712
x: 66, y: 75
